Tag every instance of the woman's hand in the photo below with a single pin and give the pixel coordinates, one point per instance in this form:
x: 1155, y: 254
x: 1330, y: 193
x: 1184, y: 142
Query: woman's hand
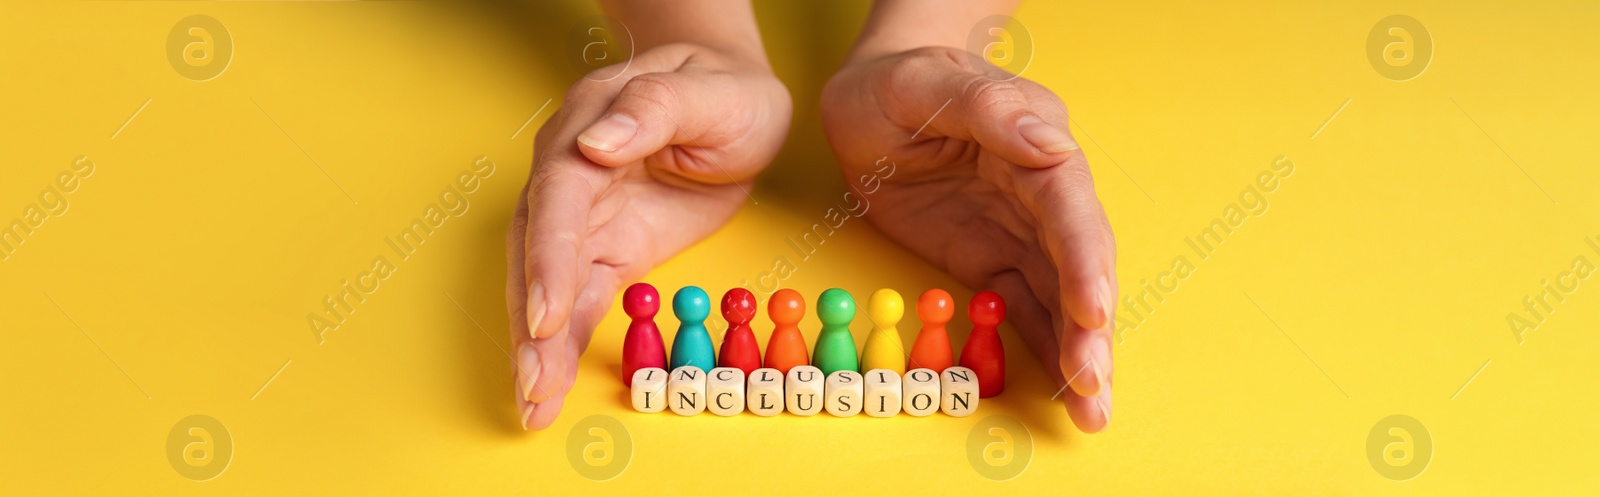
x: 628, y: 173
x: 989, y: 185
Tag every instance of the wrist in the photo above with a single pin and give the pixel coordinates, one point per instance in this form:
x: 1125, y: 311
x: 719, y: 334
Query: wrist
x: 897, y: 26
x: 726, y: 28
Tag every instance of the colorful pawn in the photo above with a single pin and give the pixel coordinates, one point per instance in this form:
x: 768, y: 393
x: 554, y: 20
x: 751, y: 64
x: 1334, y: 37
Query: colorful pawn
x: 983, y: 353
x: 692, y: 345
x: 932, y: 348
x: 787, y: 347
x: 836, y: 349
x: 884, y: 349
x: 739, y: 348
x: 642, y: 347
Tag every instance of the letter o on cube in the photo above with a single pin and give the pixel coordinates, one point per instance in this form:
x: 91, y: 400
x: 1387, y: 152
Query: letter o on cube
x: 921, y: 392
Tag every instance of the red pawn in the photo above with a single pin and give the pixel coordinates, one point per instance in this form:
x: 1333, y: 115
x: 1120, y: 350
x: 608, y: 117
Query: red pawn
x: 739, y: 348
x: 642, y: 347
x: 983, y: 353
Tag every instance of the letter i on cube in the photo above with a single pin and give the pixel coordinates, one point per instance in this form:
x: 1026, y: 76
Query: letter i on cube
x: 882, y: 393
x: 650, y: 390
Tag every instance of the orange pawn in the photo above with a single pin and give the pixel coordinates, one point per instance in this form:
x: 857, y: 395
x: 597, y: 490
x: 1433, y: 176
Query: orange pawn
x: 932, y: 348
x: 787, y: 347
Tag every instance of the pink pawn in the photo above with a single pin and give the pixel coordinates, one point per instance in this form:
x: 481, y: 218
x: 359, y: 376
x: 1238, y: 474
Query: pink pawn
x: 642, y: 347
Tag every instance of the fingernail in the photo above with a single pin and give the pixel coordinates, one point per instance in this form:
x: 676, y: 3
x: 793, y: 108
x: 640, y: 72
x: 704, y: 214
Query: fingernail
x: 527, y: 370
x: 1049, y: 139
x: 536, y: 308
x: 1102, y: 293
x: 527, y: 414
x: 1092, y: 378
x: 610, y: 133
x: 1105, y: 412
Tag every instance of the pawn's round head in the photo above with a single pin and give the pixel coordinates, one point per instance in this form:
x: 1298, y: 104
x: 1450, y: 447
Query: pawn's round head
x: 738, y: 306
x: 935, y: 307
x: 786, y: 306
x: 691, y: 304
x: 885, y: 308
x: 835, y: 307
x: 641, y: 301
x: 987, y: 309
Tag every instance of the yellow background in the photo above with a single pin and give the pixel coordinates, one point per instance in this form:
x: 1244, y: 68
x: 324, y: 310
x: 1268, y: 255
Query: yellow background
x: 178, y: 281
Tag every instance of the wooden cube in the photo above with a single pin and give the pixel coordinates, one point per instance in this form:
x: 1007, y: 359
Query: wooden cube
x: 649, y: 390
x: 844, y: 391
x: 882, y: 393
x: 921, y: 392
x: 686, y: 391
x: 958, y: 387
x: 765, y: 393
x: 803, y: 390
x: 725, y: 391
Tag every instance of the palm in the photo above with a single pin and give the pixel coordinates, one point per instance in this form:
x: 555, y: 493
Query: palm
x: 639, y: 221
x: 987, y: 184
x: 963, y: 215
x: 600, y: 213
x: 639, y: 216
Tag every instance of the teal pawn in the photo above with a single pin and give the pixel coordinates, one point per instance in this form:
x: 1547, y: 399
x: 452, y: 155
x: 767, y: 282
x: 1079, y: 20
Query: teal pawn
x: 836, y: 349
x: 692, y: 345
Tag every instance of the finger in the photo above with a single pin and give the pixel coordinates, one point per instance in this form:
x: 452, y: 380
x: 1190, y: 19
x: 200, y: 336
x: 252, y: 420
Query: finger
x: 708, y: 112
x: 1076, y: 236
x: 564, y: 191
x: 1034, y: 323
x: 1091, y: 414
x: 540, y: 416
x: 523, y: 372
x: 939, y: 92
x: 553, y: 360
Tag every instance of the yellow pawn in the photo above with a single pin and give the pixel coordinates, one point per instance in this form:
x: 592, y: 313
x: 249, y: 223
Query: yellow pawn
x: 883, y: 349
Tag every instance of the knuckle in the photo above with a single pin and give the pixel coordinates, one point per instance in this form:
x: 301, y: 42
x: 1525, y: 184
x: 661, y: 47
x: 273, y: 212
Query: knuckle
x: 983, y: 96
x: 1076, y: 183
x: 584, y: 90
x: 1078, y: 173
x: 546, y: 173
x: 651, y: 88
x: 903, y: 72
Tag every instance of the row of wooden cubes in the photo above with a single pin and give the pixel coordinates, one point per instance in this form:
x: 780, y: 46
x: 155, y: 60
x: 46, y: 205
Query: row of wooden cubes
x: 805, y: 391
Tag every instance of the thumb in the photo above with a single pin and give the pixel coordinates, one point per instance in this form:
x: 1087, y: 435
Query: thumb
x: 1017, y: 125
x: 709, y: 111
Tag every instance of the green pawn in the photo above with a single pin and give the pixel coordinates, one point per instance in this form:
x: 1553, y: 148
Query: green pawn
x: 836, y: 349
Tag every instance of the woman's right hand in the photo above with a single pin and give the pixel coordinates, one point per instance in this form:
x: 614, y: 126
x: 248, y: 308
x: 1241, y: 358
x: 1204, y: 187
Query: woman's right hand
x: 631, y: 171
